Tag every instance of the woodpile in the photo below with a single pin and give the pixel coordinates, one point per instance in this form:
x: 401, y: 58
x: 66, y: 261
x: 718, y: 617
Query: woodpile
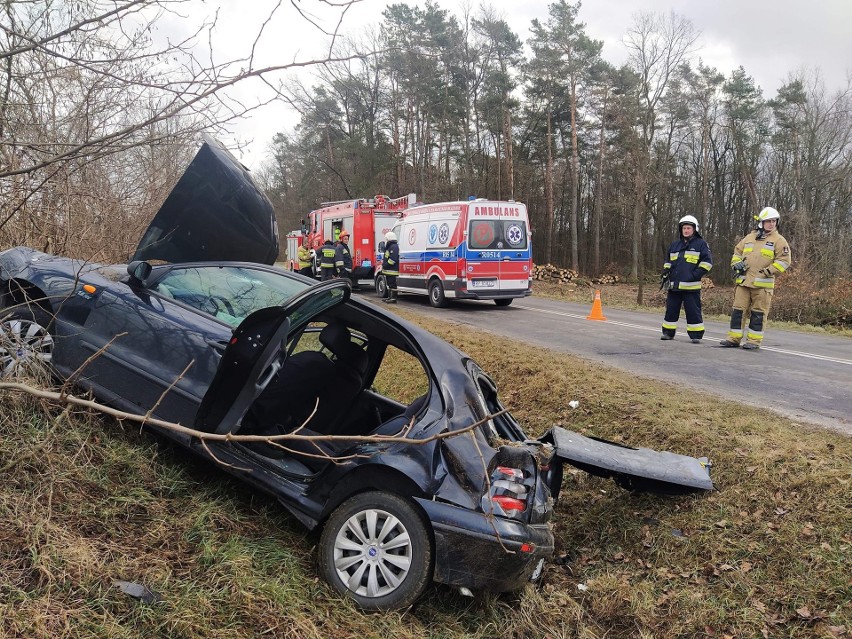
x: 707, y: 283
x: 606, y: 279
x: 550, y: 273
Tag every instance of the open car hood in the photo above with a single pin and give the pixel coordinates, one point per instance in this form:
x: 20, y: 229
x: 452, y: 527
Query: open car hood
x: 215, y: 213
x: 633, y: 468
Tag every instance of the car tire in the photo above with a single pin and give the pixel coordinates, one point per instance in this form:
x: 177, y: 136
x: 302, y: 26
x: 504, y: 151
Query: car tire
x: 503, y: 301
x: 436, y: 294
x: 377, y: 550
x: 26, y: 343
x: 381, y: 286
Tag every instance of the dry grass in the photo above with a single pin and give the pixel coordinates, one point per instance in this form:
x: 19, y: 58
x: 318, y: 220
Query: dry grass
x: 768, y: 554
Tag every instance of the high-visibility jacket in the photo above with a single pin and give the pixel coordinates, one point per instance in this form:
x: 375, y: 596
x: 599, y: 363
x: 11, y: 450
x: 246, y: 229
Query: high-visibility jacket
x: 327, y: 255
x: 764, y: 259
x: 304, y: 257
x: 689, y: 261
x: 390, y: 260
x: 342, y: 258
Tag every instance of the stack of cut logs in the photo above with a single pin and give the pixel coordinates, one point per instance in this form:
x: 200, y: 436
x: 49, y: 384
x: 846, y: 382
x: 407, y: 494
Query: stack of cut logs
x: 606, y: 279
x: 550, y: 273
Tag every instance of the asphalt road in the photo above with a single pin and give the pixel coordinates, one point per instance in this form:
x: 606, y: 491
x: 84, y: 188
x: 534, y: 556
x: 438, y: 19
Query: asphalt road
x: 804, y: 376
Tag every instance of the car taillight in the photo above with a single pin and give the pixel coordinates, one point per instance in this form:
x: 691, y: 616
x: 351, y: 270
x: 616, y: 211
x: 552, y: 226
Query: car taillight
x: 509, y: 503
x: 509, y: 491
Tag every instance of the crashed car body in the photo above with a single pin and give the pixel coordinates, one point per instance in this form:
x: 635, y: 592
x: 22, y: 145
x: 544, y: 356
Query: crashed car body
x: 430, y: 483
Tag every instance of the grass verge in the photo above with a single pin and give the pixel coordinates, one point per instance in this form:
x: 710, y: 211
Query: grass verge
x: 766, y: 555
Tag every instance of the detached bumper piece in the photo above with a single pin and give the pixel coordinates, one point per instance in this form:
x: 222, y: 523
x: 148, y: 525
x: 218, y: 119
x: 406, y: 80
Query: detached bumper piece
x: 640, y: 469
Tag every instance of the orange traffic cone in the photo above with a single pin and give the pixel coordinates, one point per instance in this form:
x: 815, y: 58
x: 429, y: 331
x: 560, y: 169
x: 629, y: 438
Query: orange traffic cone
x: 597, y: 310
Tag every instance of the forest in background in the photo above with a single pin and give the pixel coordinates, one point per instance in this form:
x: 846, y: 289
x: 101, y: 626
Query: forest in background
x: 607, y: 158
x: 98, y: 118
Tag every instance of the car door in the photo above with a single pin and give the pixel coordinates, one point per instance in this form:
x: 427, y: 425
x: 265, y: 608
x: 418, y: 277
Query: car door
x: 147, y: 352
x: 256, y: 351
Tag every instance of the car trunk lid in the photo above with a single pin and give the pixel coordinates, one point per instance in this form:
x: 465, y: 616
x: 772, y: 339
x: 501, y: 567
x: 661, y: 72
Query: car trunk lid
x: 216, y: 212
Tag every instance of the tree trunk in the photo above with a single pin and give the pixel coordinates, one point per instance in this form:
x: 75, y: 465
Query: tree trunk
x: 548, y: 185
x: 575, y: 259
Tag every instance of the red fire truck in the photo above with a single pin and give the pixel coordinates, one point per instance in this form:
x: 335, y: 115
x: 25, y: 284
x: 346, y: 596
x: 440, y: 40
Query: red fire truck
x: 367, y: 221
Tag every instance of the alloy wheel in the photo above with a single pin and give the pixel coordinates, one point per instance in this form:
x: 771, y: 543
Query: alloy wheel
x: 25, y: 345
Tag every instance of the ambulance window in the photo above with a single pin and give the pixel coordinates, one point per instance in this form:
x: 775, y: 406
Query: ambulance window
x: 487, y: 234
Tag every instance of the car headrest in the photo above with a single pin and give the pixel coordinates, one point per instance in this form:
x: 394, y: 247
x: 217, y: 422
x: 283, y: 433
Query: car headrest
x: 354, y: 357
x: 335, y: 336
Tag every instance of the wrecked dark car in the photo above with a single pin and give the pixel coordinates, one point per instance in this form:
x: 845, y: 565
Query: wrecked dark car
x: 433, y: 481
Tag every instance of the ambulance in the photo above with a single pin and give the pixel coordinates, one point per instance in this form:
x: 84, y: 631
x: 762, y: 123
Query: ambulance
x: 479, y: 249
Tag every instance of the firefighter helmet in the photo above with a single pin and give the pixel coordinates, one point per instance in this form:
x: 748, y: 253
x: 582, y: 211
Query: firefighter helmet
x: 767, y: 214
x: 688, y: 219
x: 390, y: 236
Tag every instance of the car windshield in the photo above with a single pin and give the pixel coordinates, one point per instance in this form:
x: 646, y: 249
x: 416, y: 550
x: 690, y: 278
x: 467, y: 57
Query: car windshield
x: 228, y: 293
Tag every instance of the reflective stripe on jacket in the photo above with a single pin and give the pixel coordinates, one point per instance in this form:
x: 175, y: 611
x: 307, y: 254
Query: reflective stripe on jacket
x: 764, y: 259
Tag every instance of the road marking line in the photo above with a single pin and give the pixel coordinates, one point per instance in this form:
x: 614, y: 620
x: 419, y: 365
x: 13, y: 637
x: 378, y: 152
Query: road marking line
x: 648, y: 328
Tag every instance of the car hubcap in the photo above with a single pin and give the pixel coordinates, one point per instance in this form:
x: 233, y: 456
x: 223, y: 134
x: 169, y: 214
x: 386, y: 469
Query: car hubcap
x: 372, y: 553
x: 22, y: 342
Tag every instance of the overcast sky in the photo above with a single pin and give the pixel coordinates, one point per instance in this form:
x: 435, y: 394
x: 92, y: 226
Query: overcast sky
x: 770, y: 38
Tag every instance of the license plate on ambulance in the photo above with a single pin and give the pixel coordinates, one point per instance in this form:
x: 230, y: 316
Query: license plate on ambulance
x: 492, y: 283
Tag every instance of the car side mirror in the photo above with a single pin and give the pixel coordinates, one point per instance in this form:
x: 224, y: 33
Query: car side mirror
x: 381, y: 246
x: 139, y: 271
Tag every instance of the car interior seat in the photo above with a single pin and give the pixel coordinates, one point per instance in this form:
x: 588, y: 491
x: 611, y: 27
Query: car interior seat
x: 290, y: 398
x: 315, y: 454
x: 350, y: 364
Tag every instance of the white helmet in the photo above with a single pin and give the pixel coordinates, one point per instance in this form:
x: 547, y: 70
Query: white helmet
x: 390, y: 236
x: 767, y: 214
x: 688, y: 219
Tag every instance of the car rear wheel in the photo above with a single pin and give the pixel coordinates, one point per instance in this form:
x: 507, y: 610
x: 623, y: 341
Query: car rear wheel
x: 376, y: 549
x: 436, y: 294
x: 503, y: 302
x: 26, y: 345
x: 381, y: 286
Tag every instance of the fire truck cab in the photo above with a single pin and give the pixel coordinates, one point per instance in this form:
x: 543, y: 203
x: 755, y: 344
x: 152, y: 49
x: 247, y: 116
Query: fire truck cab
x: 367, y: 221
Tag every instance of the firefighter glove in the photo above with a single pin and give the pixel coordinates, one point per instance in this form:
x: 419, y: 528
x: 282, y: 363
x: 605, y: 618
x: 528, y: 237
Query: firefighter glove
x: 739, y: 267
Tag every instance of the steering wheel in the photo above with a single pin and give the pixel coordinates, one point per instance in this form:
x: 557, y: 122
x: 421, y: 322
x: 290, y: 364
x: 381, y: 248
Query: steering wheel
x: 219, y: 302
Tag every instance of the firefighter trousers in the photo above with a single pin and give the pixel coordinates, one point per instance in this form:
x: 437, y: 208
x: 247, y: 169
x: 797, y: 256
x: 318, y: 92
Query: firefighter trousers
x: 691, y: 303
x: 752, y: 303
x: 327, y: 273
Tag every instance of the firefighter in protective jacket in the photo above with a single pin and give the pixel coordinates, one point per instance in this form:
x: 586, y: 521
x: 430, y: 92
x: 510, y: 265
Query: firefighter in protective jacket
x: 757, y: 259
x: 390, y: 265
x: 343, y: 257
x: 327, y: 260
x: 689, y: 260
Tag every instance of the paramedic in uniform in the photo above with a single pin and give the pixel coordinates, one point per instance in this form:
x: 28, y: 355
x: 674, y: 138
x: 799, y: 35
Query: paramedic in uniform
x: 758, y: 258
x: 390, y: 266
x: 688, y: 261
x: 327, y: 260
x: 343, y: 258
